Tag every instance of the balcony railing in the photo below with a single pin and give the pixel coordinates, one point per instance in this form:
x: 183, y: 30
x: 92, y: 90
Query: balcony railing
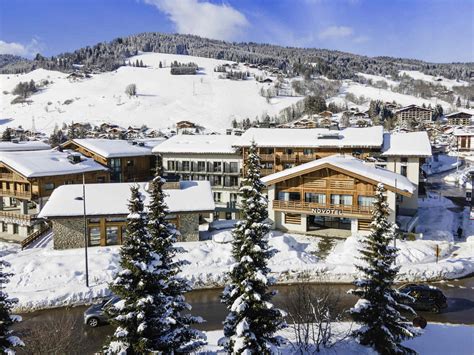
x: 14, y: 193
x: 288, y: 157
x: 265, y: 172
x: 267, y: 157
x: 304, y: 158
x: 322, y: 209
x: 17, y: 215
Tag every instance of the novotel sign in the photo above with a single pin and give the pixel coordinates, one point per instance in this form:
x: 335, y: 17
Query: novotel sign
x: 328, y: 211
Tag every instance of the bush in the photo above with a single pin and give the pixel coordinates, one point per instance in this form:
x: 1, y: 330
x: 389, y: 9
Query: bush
x: 131, y: 90
x: 20, y: 100
x: 68, y: 102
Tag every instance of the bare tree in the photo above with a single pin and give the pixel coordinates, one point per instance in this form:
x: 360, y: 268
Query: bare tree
x: 312, y: 310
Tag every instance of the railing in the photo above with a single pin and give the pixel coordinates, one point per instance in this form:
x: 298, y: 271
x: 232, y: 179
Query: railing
x: 18, y: 215
x: 13, y: 193
x: 35, y: 235
x: 288, y: 157
x: 304, y: 158
x: 267, y: 157
x: 265, y: 172
x: 323, y: 209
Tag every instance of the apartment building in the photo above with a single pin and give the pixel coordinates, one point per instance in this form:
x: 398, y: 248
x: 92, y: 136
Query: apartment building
x: 27, y: 179
x: 459, y: 119
x: 412, y: 114
x: 205, y: 157
x: 128, y: 161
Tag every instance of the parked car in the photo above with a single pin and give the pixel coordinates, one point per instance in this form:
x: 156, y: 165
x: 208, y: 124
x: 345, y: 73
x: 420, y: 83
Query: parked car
x: 425, y: 297
x: 96, y: 314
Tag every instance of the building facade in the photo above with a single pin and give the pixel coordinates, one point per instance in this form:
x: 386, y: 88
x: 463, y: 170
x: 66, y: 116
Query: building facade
x: 107, y: 211
x: 413, y: 114
x: 205, y: 158
x: 465, y: 139
x: 459, y: 119
x: 28, y: 178
x: 128, y: 161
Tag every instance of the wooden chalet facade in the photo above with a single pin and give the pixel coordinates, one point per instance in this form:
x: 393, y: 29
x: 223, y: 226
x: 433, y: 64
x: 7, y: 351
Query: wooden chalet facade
x: 459, y: 119
x: 409, y: 115
x: 330, y: 196
x: 131, y: 162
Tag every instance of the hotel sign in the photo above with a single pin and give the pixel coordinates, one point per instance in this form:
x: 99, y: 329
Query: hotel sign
x: 326, y: 211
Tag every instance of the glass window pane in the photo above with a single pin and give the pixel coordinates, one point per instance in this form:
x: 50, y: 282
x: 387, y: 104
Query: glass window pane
x: 112, y: 235
x: 94, y: 236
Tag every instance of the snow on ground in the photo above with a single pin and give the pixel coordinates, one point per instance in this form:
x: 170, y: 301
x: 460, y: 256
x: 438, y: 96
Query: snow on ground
x: 441, y: 164
x: 448, y: 83
x: 376, y: 78
x: 461, y: 177
x: 163, y: 99
x: 436, y: 339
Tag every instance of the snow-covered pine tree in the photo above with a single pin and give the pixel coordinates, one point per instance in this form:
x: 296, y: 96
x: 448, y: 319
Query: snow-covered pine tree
x: 378, y: 308
x: 250, y: 326
x: 136, y: 285
x: 8, y: 341
x: 173, y: 332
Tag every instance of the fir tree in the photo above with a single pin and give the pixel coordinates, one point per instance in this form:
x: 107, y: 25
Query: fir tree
x: 458, y: 102
x: 8, y: 341
x: 172, y: 332
x: 252, y: 321
x: 7, y: 135
x: 135, y: 315
x: 378, y: 309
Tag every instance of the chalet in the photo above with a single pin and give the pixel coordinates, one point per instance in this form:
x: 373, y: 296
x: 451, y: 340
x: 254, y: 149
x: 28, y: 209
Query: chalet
x: 185, y: 125
x: 127, y: 160
x: 107, y: 210
x: 331, y: 196
x: 459, y: 119
x: 465, y: 139
x: 205, y: 157
x: 27, y: 179
x: 407, y: 116
x: 326, y: 114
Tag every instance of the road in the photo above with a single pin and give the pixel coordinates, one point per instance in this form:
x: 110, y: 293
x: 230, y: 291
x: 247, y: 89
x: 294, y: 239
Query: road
x: 205, y: 303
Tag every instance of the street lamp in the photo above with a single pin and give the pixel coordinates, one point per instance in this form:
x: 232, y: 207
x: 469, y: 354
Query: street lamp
x: 83, y: 199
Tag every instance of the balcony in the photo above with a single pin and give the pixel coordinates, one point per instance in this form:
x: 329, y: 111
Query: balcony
x: 14, y: 193
x: 288, y: 158
x: 322, y: 209
x: 265, y: 172
x: 267, y: 157
x: 307, y: 158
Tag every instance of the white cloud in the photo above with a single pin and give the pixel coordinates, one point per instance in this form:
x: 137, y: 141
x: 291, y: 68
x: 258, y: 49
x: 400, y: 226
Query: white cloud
x: 203, y: 18
x: 23, y: 50
x: 335, y: 32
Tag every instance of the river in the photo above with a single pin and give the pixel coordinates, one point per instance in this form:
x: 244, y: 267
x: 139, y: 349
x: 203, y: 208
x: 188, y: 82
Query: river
x: 205, y: 303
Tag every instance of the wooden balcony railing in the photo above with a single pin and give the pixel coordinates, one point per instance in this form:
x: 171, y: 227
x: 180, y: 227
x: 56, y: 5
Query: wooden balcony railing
x: 17, y: 215
x: 14, y: 193
x: 322, y: 209
x: 265, y: 172
x: 307, y: 158
x: 288, y: 157
x: 45, y: 228
x: 10, y: 177
x: 267, y: 157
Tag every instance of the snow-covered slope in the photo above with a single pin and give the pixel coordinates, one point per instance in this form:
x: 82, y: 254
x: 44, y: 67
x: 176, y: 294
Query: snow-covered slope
x: 417, y: 75
x: 163, y: 99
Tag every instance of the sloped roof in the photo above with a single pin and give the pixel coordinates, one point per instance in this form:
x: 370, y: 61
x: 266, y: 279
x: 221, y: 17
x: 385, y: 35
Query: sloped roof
x: 23, y: 146
x: 184, y: 143
x: 118, y: 148
x: 364, y: 170
x: 406, y: 144
x: 47, y: 163
x: 112, y: 199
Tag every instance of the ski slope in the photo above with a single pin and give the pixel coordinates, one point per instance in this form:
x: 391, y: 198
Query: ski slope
x: 163, y: 99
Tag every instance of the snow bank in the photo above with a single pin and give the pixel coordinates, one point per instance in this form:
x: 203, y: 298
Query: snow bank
x: 444, y: 163
x: 436, y: 339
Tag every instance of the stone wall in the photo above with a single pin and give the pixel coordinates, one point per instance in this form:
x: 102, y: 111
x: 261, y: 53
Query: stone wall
x: 68, y: 233
x: 189, y: 227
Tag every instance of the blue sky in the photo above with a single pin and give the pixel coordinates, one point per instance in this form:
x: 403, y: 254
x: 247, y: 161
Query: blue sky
x: 432, y: 30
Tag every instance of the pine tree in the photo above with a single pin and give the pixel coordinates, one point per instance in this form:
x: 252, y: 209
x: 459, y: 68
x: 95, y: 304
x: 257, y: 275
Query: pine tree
x: 8, y: 341
x: 378, y: 309
x: 135, y: 315
x: 458, y: 102
x: 252, y: 321
x: 71, y: 132
x: 172, y: 330
x: 7, y: 135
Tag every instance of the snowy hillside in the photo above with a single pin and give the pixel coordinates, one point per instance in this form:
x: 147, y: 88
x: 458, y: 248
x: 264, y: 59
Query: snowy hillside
x: 163, y: 99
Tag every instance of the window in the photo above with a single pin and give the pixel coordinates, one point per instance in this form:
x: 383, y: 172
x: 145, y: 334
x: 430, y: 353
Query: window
x: 112, y: 237
x: 288, y: 165
x: 308, y: 151
x: 15, y: 229
x: 234, y: 167
x: 116, y: 219
x: 403, y: 170
x: 288, y: 151
x: 404, y: 160
x: 230, y: 181
x: 365, y: 201
x: 185, y: 177
x: 171, y: 165
x: 345, y: 200
x: 216, y: 180
x: 185, y: 166
x: 116, y: 169
x: 201, y: 166
x: 315, y: 198
x: 49, y: 186
x: 93, y: 220
x: 266, y: 150
x: 233, y: 197
x: 216, y: 166
x: 228, y: 215
x: 94, y: 236
x: 4, y: 227
x: 215, y: 216
x: 130, y: 163
x: 101, y: 179
x: 124, y: 232
x: 217, y: 197
x: 289, y: 196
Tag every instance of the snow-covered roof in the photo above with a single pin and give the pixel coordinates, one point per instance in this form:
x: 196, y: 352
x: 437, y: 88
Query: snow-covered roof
x: 112, y: 199
x: 118, y: 148
x: 458, y: 113
x: 313, y: 138
x: 23, y: 146
x: 183, y: 143
x: 413, y: 106
x: 464, y: 131
x: 48, y: 163
x: 350, y: 164
x: 406, y: 144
